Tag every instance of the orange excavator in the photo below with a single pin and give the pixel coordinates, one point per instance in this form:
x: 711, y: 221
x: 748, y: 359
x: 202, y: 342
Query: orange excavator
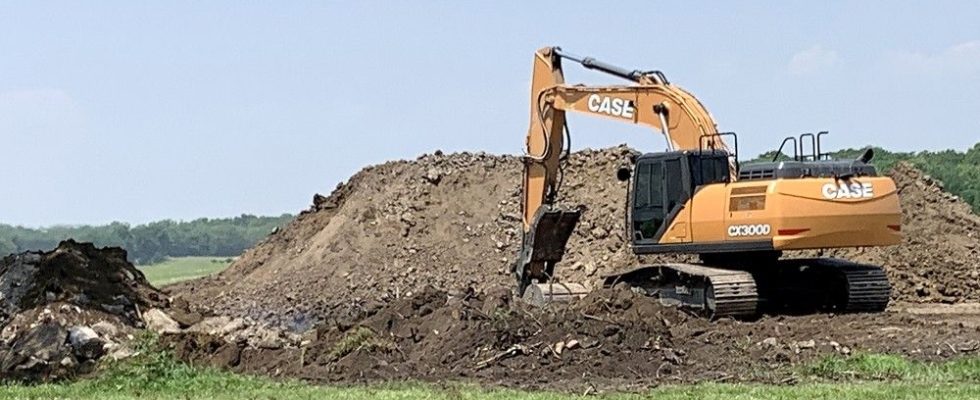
x: 695, y: 198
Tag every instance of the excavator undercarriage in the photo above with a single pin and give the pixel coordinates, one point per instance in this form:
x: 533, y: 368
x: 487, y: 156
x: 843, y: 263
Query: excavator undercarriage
x: 788, y: 286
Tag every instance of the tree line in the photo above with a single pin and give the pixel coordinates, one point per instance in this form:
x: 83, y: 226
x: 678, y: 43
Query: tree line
x: 155, y: 241
x: 958, y: 171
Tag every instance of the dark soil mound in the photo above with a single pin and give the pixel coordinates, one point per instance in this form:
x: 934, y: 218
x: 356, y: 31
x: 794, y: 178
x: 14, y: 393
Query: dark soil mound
x: 61, y: 310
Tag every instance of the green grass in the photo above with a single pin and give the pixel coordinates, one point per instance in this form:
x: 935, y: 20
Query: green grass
x: 182, y: 268
x: 352, y: 341
x: 155, y: 374
x: 890, y: 367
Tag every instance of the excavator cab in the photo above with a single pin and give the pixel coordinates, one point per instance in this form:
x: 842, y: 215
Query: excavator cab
x: 661, y: 185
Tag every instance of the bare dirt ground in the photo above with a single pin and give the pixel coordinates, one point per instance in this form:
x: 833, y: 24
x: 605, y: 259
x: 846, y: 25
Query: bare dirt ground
x: 965, y: 314
x: 613, y: 339
x: 402, y: 273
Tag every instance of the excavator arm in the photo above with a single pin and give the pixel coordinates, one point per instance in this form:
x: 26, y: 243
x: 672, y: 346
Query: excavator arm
x: 651, y: 101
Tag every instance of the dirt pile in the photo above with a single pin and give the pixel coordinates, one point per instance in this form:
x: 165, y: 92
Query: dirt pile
x: 613, y: 339
x: 63, y: 309
x: 452, y: 221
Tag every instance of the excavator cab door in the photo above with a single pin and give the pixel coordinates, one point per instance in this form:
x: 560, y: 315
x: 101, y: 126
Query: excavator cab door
x: 648, y: 205
x: 660, y: 189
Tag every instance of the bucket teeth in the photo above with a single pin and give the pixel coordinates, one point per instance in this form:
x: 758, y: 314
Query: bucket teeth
x: 544, y: 293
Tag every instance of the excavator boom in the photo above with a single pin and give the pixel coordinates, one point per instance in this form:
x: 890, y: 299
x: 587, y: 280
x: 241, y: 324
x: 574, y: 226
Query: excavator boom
x: 652, y: 101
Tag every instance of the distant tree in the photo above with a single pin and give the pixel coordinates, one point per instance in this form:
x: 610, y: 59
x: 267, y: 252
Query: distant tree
x: 155, y: 241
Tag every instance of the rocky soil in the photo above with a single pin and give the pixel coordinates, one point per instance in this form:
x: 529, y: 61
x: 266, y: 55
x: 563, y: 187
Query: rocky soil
x: 613, y: 339
x: 61, y: 311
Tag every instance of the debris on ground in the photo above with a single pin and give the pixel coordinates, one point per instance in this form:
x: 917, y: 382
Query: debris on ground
x: 613, y: 338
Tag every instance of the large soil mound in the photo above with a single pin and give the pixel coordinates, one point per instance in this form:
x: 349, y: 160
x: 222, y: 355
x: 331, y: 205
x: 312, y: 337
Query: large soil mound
x: 404, y: 273
x: 452, y: 221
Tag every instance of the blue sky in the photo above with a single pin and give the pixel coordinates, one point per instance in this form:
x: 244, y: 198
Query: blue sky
x: 137, y: 111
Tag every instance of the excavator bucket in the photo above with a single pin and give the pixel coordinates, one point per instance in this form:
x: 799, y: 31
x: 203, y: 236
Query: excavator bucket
x: 549, y: 234
x: 543, y: 247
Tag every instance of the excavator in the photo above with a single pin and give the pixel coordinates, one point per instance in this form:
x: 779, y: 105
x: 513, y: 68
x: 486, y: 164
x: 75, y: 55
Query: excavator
x: 696, y: 199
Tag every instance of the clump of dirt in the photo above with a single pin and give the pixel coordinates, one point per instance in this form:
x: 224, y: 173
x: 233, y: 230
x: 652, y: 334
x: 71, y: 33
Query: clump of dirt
x: 612, y: 339
x: 453, y: 221
x: 63, y: 309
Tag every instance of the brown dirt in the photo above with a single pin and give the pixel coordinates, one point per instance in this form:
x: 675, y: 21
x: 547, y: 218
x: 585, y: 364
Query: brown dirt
x: 408, y: 250
x: 450, y: 221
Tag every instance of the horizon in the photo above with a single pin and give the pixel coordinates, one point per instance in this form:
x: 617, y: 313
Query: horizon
x: 139, y: 112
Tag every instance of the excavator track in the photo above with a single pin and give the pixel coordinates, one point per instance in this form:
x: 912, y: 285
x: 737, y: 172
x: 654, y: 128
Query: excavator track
x: 712, y: 292
x: 866, y: 287
x: 781, y: 286
x: 821, y: 285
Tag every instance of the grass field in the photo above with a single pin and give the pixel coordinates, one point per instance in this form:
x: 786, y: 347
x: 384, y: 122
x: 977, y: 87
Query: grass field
x: 155, y: 374
x: 182, y: 268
